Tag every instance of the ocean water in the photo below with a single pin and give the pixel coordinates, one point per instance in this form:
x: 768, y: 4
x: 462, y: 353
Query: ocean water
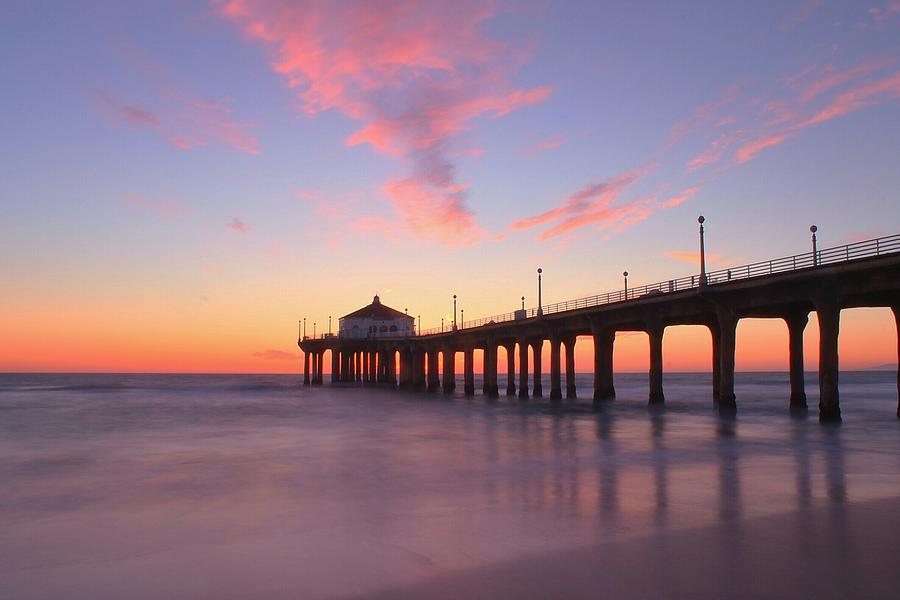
x: 188, y: 486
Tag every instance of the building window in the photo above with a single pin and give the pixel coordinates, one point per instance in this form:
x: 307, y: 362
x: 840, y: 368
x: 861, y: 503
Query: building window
x: 393, y: 328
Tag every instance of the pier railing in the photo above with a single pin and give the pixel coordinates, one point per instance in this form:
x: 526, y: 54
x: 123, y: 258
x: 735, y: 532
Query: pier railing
x: 806, y: 260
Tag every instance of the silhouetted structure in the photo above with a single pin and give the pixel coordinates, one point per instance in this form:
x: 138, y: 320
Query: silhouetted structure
x: 865, y: 274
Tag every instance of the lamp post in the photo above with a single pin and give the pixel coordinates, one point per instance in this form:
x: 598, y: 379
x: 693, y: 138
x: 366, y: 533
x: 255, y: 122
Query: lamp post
x: 540, y: 311
x: 300, y: 330
x: 700, y: 220
x: 625, y: 275
x: 462, y: 318
x: 442, y: 324
x: 813, y: 229
x: 419, y: 328
x: 314, y: 330
x: 304, y: 328
x: 523, y: 302
x: 329, y: 324
x: 454, y: 312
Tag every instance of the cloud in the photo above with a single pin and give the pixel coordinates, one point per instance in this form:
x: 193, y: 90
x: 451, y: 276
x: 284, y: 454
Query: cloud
x: 595, y: 204
x: 166, y: 107
x: 307, y: 195
x: 276, y: 355
x: 680, y: 198
x: 162, y: 207
x: 801, y: 14
x: 550, y: 142
x: 415, y: 75
x: 751, y: 149
x: 238, y: 226
x: 864, y: 95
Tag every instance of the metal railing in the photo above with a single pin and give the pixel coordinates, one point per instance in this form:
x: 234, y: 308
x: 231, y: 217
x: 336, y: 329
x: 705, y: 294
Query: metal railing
x: 828, y: 256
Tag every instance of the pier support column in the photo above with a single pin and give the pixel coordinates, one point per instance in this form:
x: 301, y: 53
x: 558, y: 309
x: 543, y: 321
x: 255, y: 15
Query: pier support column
x: 537, y: 390
x: 320, y: 363
x: 570, y: 368
x: 555, y: 383
x: 365, y: 367
x: 829, y: 312
x: 307, y: 358
x: 449, y: 371
x: 896, y: 310
x: 335, y: 366
x: 716, y: 336
x: 604, y: 340
x: 382, y: 367
x: 469, y: 371
x: 727, y: 326
x: 404, y: 370
x: 523, y: 369
x: 796, y: 323
x: 357, y: 358
x: 392, y: 367
x: 434, y: 379
x: 655, y: 332
x: 490, y: 370
x: 312, y: 367
x: 510, y: 370
x: 419, y: 370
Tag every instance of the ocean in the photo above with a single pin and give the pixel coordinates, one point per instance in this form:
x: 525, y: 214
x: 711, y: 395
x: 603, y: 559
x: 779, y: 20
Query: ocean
x: 253, y: 486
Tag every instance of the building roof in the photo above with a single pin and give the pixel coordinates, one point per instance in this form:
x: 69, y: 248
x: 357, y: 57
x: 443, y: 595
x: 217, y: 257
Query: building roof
x: 376, y: 310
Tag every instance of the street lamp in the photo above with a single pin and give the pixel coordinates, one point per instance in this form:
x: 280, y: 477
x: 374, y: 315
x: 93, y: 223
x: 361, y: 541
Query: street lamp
x: 314, y: 330
x: 523, y: 302
x: 813, y: 229
x: 700, y: 220
x: 625, y: 275
x: 419, y: 329
x: 329, y: 324
x: 462, y: 318
x: 304, y: 328
x: 540, y: 311
x: 454, y: 312
x: 442, y: 324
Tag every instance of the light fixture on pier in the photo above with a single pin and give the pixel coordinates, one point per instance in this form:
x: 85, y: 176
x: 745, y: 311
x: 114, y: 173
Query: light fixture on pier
x: 523, y: 302
x: 462, y: 318
x: 454, y: 312
x: 304, y: 328
x: 419, y: 329
x: 314, y: 330
x: 813, y: 229
x: 540, y: 311
x: 700, y: 220
x: 329, y: 324
x: 442, y: 324
x: 625, y: 275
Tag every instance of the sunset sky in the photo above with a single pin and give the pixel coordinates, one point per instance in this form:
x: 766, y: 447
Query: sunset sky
x: 182, y: 181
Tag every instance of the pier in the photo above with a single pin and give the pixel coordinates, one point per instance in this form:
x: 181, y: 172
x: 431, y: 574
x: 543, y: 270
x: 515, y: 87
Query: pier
x: 863, y: 274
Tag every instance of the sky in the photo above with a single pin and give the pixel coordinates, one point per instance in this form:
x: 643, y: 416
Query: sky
x: 183, y: 181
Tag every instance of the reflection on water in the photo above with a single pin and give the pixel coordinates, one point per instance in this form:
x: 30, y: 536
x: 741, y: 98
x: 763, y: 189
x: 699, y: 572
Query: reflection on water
x: 160, y: 486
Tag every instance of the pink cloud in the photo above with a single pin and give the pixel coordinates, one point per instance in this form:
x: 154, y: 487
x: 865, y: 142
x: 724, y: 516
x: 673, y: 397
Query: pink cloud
x: 416, y: 76
x: 550, y: 142
x: 593, y: 205
x: 183, y: 118
x: 751, y: 149
x: 862, y: 96
x: 238, y: 226
x: 680, y: 198
x: 801, y: 14
x: 715, y: 150
x: 307, y: 195
x: 832, y: 77
x: 149, y: 204
x: 276, y: 355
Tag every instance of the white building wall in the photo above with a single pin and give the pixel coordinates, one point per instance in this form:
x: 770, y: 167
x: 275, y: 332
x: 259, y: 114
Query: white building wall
x: 361, y: 327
